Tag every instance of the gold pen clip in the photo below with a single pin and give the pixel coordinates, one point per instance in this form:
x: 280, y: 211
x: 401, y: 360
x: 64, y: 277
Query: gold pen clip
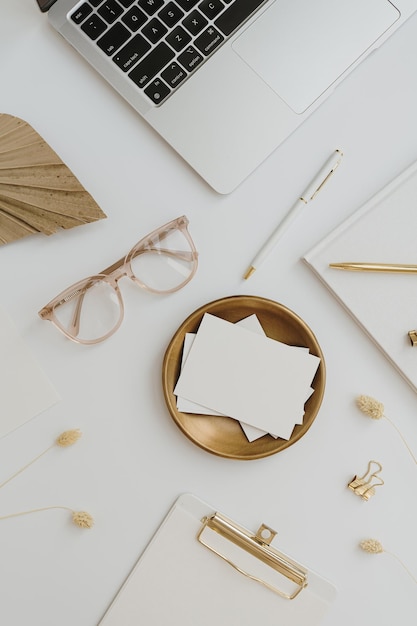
x: 252, y: 555
x: 322, y: 177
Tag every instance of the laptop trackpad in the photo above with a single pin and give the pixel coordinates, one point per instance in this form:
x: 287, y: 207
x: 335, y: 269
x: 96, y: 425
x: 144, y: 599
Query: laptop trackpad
x: 299, y: 48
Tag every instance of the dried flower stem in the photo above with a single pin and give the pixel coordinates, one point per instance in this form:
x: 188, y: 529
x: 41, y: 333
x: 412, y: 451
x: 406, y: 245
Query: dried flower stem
x: 65, y: 439
x: 403, y: 565
x: 375, y: 410
x: 403, y: 439
x: 22, y: 469
x: 373, y: 546
x: 80, y: 518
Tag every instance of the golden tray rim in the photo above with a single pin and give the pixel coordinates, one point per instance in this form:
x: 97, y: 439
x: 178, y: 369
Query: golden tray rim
x: 223, y: 436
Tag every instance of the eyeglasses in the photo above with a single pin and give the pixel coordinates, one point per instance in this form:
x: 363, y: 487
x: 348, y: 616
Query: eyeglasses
x: 92, y: 309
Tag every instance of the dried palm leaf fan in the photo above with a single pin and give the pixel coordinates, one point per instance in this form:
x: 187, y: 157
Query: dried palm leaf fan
x: 38, y: 193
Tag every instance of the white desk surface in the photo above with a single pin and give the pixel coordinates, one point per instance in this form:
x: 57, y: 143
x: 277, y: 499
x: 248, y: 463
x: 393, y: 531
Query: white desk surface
x: 132, y: 461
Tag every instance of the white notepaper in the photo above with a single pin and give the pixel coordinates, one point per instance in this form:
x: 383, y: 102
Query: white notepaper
x: 249, y: 377
x: 186, y: 406
x: 25, y: 390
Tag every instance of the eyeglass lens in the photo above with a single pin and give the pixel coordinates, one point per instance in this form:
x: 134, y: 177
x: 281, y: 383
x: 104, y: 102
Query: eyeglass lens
x: 164, y: 261
x: 93, y: 309
x: 91, y: 312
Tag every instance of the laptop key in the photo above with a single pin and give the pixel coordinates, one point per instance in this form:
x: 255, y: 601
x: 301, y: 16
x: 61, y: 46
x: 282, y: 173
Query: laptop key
x: 81, y: 13
x: 190, y: 58
x: 134, y: 50
x: 113, y: 39
x: 170, y: 14
x: 209, y: 40
x: 134, y: 19
x: 157, y: 90
x: 194, y: 22
x: 94, y: 27
x: 173, y: 75
x: 151, y: 64
x: 236, y: 14
x: 211, y: 8
x: 110, y: 11
x: 187, y: 4
x: 154, y: 30
x: 178, y: 38
x: 151, y: 6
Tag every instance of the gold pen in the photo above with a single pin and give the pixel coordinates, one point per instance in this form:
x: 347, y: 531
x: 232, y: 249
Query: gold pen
x: 375, y: 267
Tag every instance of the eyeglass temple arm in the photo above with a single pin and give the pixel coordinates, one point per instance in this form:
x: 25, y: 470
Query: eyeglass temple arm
x: 75, y: 322
x: 184, y: 255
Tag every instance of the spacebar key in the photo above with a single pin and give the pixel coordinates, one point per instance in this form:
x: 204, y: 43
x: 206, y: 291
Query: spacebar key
x: 236, y: 15
x: 152, y: 64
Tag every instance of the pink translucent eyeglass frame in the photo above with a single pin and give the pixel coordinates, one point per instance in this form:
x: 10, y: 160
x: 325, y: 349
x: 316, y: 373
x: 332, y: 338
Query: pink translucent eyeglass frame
x: 118, y: 270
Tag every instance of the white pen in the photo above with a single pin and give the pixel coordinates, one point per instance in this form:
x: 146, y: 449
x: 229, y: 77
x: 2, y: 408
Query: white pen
x: 309, y: 194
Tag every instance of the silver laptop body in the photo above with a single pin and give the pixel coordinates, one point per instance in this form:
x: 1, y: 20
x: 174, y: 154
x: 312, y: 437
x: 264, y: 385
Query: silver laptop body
x: 225, y: 82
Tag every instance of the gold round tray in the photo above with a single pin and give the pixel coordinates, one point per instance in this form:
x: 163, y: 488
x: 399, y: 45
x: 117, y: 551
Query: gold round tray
x: 222, y: 435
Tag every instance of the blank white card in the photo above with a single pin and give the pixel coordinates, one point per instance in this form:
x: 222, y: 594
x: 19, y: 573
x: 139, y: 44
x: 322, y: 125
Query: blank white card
x: 247, y: 376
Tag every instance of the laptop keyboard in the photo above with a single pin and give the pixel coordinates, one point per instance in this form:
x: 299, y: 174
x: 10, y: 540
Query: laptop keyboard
x: 158, y: 44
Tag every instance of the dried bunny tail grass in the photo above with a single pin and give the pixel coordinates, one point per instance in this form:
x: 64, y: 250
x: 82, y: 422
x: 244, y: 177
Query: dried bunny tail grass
x: 65, y: 439
x: 68, y: 438
x: 370, y: 407
x: 375, y: 409
x: 373, y: 546
x: 82, y: 519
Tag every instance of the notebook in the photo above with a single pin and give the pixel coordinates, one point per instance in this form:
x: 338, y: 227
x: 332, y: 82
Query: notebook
x: 225, y: 81
x: 383, y: 304
x: 188, y: 575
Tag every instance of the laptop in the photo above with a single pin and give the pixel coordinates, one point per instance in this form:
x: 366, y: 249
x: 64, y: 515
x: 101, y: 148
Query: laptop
x: 225, y: 82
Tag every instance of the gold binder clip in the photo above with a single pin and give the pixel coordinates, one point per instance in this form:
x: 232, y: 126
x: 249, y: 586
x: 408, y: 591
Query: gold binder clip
x: 413, y: 337
x: 257, y: 554
x: 363, y: 486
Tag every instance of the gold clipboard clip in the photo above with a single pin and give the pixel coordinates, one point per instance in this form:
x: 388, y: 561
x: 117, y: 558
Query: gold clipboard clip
x: 257, y: 545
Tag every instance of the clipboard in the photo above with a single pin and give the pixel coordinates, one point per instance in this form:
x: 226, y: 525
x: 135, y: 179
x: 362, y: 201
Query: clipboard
x: 202, y: 568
